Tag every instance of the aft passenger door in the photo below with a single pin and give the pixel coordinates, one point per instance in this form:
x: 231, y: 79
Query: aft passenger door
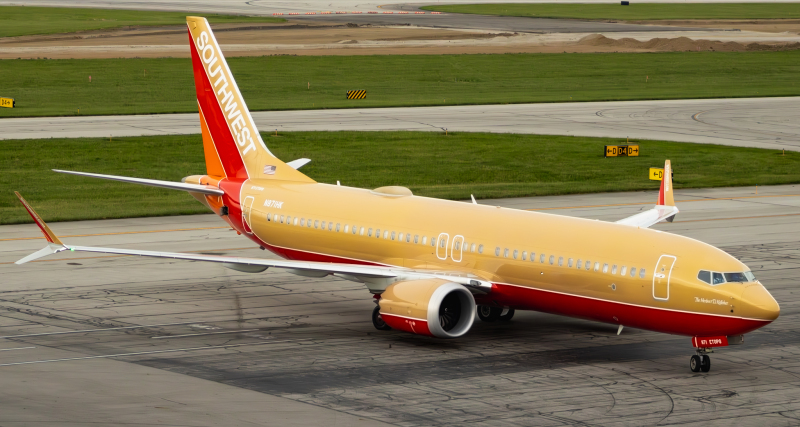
x: 247, y: 209
x: 661, y: 277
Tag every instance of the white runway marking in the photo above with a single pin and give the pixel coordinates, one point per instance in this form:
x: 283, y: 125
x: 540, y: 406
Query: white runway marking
x: 203, y: 333
x: 17, y: 348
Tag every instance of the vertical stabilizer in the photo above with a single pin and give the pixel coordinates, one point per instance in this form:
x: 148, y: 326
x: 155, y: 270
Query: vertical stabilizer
x: 665, y: 194
x: 233, y: 147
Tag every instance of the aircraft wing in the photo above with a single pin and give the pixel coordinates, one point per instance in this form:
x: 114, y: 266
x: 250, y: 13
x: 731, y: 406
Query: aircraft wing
x: 664, y: 210
x: 375, y: 277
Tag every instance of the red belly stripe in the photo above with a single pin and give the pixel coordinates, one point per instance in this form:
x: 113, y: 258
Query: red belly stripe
x: 407, y: 324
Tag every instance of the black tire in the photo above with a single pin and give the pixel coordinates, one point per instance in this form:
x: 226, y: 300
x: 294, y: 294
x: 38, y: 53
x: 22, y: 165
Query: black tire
x: 508, y: 316
x: 695, y: 364
x: 706, y: 364
x: 377, y: 320
x: 489, y: 314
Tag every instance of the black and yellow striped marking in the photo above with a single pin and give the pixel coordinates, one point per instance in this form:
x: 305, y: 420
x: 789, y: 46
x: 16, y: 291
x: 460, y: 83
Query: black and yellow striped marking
x: 356, y: 94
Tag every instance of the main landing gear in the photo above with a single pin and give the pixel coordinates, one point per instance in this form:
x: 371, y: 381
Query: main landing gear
x: 491, y: 314
x: 378, y: 322
x: 700, y: 362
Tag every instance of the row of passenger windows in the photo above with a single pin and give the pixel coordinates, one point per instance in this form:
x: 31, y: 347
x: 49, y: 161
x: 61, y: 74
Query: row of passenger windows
x: 361, y: 231
x: 580, y: 264
x: 458, y: 245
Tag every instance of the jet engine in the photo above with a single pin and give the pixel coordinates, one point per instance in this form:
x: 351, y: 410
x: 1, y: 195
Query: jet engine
x: 432, y: 307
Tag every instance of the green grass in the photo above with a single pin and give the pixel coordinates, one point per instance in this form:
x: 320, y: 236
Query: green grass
x: 23, y: 20
x: 431, y: 164
x: 120, y: 86
x: 636, y: 10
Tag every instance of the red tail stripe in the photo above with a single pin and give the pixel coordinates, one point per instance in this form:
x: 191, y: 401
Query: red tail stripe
x: 217, y: 126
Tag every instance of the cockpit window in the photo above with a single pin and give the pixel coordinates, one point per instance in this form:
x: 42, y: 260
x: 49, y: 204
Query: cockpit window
x: 714, y: 278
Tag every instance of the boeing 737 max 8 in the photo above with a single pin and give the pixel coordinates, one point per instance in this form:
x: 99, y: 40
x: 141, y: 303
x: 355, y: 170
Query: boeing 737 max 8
x: 432, y: 265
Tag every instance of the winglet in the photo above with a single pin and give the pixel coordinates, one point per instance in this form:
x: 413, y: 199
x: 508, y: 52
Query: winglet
x: 665, y: 194
x: 48, y: 233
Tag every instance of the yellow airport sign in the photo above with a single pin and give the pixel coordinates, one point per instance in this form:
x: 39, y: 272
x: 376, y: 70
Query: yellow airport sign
x: 7, y: 102
x: 621, y: 151
x: 657, y: 174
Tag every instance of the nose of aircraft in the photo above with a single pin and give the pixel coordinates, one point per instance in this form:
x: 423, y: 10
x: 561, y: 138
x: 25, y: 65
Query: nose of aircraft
x: 758, y: 303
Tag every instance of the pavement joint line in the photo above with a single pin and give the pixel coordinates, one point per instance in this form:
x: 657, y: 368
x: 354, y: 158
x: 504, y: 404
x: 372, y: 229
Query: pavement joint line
x: 739, y: 217
x: 98, y: 330
x: 203, y: 333
x: 651, y: 203
x: 118, y: 233
x: 17, y: 348
x: 105, y: 356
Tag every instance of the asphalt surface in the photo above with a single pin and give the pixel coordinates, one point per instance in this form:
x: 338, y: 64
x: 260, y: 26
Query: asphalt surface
x: 278, y: 349
x: 747, y: 122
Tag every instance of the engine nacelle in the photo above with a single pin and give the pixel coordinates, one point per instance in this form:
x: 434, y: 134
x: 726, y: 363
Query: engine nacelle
x: 432, y: 307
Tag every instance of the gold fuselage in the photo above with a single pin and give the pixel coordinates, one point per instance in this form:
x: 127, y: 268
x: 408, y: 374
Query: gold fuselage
x: 287, y: 215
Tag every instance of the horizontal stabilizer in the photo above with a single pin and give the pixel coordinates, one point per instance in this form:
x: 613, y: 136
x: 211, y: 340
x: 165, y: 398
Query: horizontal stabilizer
x: 299, y: 163
x: 196, y: 188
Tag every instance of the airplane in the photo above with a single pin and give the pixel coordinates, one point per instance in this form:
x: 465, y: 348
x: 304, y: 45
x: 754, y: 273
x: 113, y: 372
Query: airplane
x: 433, y: 265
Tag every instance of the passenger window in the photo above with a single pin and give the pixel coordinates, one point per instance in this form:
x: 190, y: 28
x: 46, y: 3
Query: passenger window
x: 401, y: 237
x: 316, y: 223
x: 605, y: 268
x: 330, y: 226
x: 378, y: 233
x: 288, y: 220
x: 552, y: 259
x: 369, y: 232
x: 533, y: 257
x: 416, y: 239
x: 541, y: 258
x: 442, y: 242
x: 472, y: 248
x: 338, y: 226
x: 308, y: 223
x: 623, y: 271
x: 505, y: 253
x: 641, y: 273
x: 361, y: 231
x: 717, y: 278
x: 580, y: 264
x: 281, y: 219
x: 497, y: 251
x: 458, y: 246
x: 569, y: 263
x: 355, y: 229
x: 704, y: 276
x: 633, y: 271
x: 424, y: 240
x: 408, y: 237
x: 588, y: 265
x: 524, y: 255
x: 614, y: 269
x: 597, y: 266
x: 386, y: 234
x: 516, y: 253
x: 269, y: 216
x: 480, y: 249
x: 561, y: 261
x: 302, y: 222
x: 322, y: 225
x: 346, y: 228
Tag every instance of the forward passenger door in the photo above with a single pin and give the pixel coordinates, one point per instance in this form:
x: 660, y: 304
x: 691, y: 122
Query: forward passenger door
x: 661, y: 277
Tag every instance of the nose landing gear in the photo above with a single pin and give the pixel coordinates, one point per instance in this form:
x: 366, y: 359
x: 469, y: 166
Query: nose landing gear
x: 700, y: 362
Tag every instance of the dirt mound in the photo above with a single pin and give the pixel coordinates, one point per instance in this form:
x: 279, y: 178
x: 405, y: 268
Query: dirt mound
x: 683, y: 44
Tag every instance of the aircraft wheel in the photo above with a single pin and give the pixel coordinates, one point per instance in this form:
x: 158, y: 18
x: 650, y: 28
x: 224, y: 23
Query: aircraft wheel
x: 706, y: 365
x: 489, y: 314
x: 695, y: 364
x: 378, y: 322
x: 508, y: 315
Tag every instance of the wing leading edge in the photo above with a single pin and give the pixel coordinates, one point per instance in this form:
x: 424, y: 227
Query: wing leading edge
x: 376, y: 278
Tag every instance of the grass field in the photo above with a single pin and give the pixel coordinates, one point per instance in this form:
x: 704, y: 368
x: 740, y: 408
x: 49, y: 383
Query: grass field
x: 636, y: 10
x: 120, y: 86
x: 431, y: 164
x: 24, y: 20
